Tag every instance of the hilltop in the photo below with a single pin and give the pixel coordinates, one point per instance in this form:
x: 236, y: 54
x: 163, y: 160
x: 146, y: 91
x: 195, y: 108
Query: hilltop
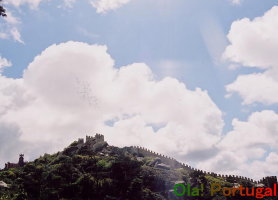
x: 92, y: 169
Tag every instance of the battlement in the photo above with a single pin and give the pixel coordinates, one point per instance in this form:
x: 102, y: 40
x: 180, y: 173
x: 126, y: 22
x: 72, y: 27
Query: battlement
x: 99, y: 137
x: 269, y: 180
x: 96, y: 138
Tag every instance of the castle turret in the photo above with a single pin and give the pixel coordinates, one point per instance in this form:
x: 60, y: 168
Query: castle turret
x: 21, y: 160
x: 99, y: 137
x: 96, y: 139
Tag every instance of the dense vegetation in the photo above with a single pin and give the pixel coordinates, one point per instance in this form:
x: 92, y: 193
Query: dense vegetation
x: 105, y: 173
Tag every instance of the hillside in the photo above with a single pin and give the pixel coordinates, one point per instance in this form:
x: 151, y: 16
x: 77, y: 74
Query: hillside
x: 94, y: 170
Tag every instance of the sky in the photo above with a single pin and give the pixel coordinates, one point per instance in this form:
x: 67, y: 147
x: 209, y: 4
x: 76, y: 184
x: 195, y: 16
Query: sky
x: 195, y: 80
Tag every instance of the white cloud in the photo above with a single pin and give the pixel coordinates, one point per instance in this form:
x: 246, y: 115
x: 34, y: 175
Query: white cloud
x: 16, y: 35
x: 254, y: 43
x: 69, y: 3
x: 10, y: 28
x: 104, y: 6
x: 32, y: 3
x: 4, y: 63
x: 9, y: 141
x: 73, y: 89
x: 242, y: 151
x: 237, y: 2
x: 260, y: 129
x: 3, y: 35
x: 10, y: 19
x: 257, y: 87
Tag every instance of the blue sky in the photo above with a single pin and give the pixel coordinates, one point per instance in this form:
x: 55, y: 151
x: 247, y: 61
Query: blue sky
x: 142, y: 31
x: 182, y: 39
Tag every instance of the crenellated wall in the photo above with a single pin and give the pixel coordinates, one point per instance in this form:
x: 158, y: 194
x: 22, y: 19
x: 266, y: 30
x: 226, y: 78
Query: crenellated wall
x: 97, y: 138
x: 165, y: 159
x: 175, y: 164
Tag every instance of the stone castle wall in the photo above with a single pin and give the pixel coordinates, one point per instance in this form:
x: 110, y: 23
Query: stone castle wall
x: 175, y: 164
x: 165, y: 159
x: 97, y: 138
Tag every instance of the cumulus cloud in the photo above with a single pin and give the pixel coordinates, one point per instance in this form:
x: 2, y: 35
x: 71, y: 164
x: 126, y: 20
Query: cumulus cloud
x: 9, y: 141
x: 254, y: 43
x: 249, y: 148
x: 104, y: 6
x: 260, y: 129
x: 257, y: 87
x: 73, y: 89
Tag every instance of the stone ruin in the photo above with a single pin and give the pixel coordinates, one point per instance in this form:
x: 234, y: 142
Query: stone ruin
x: 96, y: 143
x: 172, y: 163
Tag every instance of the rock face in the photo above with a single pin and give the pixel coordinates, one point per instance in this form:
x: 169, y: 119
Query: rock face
x: 99, y: 146
x: 155, y: 162
x: 3, y: 184
x: 163, y: 166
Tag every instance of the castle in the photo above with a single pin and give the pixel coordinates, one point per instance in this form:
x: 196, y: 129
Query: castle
x: 90, y: 139
x: 172, y: 163
x: 98, y: 142
x: 97, y: 138
x: 20, y: 163
x: 267, y: 181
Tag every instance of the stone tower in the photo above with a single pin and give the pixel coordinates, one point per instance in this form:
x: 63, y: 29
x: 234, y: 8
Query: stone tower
x: 99, y: 137
x: 21, y: 160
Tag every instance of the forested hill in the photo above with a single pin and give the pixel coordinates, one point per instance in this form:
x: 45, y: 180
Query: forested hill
x: 93, y: 170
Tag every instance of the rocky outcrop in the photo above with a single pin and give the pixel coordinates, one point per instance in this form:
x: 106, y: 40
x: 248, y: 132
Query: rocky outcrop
x: 3, y: 184
x: 155, y: 162
x: 163, y: 166
x: 99, y: 146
